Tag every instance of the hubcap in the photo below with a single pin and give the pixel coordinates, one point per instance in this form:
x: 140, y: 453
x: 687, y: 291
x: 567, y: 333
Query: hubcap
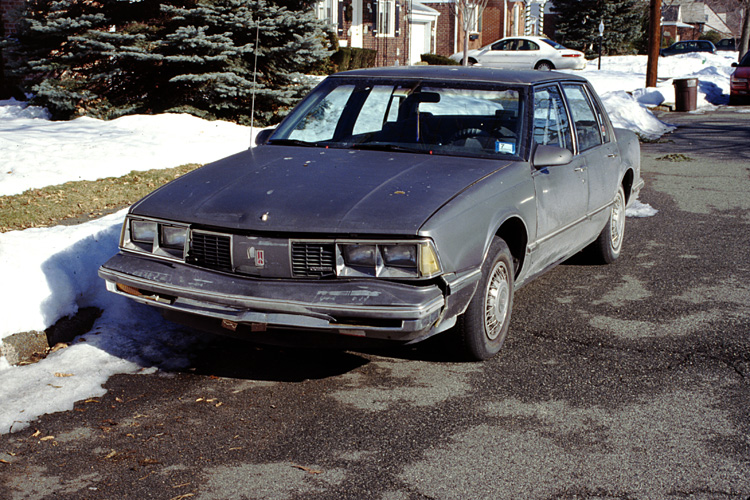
x: 496, y: 301
x: 617, y: 222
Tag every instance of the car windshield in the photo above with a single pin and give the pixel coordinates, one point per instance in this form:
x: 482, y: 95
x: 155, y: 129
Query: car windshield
x: 409, y: 116
x: 553, y: 43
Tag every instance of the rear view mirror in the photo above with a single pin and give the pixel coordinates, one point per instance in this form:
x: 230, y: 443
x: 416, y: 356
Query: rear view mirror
x: 550, y: 156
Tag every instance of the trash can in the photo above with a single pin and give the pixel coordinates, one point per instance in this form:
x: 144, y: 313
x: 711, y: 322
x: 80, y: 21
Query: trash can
x: 686, y: 94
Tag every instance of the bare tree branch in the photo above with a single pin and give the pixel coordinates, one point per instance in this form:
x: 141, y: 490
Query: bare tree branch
x: 467, y: 13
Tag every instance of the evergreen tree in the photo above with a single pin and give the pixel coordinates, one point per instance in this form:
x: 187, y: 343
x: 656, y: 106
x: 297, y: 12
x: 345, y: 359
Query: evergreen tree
x: 578, y: 24
x: 110, y: 57
x: 209, y: 56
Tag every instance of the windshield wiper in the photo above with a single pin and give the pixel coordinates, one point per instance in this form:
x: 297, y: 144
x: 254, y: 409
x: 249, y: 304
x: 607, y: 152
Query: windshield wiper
x: 293, y: 142
x: 387, y: 147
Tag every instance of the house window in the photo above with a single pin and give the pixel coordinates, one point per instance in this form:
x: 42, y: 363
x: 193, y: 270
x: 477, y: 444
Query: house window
x: 475, y: 18
x: 327, y: 10
x: 386, y: 17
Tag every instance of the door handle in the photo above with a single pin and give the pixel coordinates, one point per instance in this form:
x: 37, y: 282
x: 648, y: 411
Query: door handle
x: 579, y: 169
x: 612, y: 155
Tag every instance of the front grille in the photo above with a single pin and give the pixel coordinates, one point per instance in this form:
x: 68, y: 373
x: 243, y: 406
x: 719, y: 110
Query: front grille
x: 313, y: 259
x: 211, y: 250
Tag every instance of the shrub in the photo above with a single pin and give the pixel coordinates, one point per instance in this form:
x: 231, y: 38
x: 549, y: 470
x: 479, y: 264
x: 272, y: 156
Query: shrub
x: 437, y: 60
x: 347, y: 58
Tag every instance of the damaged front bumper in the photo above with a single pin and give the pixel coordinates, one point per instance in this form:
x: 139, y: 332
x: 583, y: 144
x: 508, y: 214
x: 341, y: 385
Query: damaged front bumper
x: 255, y: 307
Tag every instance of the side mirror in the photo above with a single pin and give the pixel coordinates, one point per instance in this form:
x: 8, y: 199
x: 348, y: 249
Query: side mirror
x: 735, y: 65
x: 262, y: 136
x: 551, y: 156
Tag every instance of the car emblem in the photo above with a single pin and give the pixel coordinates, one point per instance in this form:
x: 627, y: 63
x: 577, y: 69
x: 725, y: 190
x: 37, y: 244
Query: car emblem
x: 259, y: 256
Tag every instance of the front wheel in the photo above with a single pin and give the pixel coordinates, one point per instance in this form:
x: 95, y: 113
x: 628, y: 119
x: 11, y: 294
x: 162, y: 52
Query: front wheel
x: 484, y: 325
x: 606, y: 248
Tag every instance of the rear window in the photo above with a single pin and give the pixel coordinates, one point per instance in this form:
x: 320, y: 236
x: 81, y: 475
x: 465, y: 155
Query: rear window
x: 553, y: 43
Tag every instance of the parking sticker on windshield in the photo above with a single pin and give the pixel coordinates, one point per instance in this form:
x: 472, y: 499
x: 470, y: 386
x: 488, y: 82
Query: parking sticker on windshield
x: 505, y: 147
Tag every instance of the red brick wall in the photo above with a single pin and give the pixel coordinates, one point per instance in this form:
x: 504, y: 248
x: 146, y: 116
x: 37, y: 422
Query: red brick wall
x: 492, y: 28
x: 391, y: 50
x: 11, y: 10
x: 444, y: 29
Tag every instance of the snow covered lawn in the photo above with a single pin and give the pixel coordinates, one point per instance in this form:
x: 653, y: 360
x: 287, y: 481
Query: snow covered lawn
x: 53, y: 271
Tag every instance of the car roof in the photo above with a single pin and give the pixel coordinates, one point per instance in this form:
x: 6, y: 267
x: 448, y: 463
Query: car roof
x: 463, y: 74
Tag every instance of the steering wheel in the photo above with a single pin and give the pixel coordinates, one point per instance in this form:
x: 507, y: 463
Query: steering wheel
x: 467, y: 133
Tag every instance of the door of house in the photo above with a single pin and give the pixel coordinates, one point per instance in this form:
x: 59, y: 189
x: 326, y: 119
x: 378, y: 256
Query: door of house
x: 417, y: 40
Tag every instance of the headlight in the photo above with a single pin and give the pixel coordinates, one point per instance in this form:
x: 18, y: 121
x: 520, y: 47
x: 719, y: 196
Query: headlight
x: 400, y: 255
x: 173, y: 237
x: 159, y: 238
x: 387, y: 259
x: 360, y: 255
x: 143, y: 231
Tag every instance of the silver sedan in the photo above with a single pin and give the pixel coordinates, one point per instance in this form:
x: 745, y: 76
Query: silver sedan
x: 525, y: 52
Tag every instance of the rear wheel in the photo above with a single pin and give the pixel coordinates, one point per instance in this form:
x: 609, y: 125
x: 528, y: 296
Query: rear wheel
x: 544, y: 66
x: 484, y: 325
x: 608, y: 245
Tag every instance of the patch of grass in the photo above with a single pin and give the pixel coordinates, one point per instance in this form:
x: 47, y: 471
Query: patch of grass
x: 81, y: 200
x: 674, y: 157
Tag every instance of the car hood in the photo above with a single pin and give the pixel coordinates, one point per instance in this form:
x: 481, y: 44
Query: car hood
x: 316, y: 190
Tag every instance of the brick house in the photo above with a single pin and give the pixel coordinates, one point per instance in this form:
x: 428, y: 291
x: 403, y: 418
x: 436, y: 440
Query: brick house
x: 401, y: 30
x: 10, y: 10
x: 499, y: 19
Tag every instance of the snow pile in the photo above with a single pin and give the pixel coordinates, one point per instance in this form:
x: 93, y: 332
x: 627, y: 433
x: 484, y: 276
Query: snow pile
x: 54, y: 270
x: 90, y: 149
x: 626, y: 111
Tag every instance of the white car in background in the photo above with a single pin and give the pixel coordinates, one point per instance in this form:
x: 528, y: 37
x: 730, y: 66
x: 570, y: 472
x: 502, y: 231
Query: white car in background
x: 525, y: 52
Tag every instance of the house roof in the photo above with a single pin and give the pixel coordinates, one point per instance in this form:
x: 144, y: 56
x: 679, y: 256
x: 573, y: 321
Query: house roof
x: 693, y: 12
x: 420, y: 8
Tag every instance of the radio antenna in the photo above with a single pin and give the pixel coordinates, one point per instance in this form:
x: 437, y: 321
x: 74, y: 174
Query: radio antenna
x: 255, y: 72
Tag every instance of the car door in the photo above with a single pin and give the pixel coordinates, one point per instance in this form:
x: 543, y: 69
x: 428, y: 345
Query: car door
x: 503, y: 54
x: 561, y: 190
x: 528, y: 54
x: 595, y: 145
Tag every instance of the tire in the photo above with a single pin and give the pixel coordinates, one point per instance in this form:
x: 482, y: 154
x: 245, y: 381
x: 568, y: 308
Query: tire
x: 607, y: 246
x: 484, y: 325
x: 544, y: 66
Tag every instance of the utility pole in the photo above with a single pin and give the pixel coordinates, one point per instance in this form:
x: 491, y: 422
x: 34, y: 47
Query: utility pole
x: 745, y: 36
x: 654, y: 41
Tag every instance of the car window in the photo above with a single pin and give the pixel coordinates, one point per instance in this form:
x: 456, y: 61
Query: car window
x: 553, y: 44
x: 745, y: 60
x: 462, y: 119
x: 588, y: 130
x: 551, y: 124
x: 370, y: 119
x: 315, y: 127
x: 527, y: 45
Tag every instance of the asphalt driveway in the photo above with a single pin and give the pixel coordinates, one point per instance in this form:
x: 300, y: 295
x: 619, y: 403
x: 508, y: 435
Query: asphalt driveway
x: 627, y: 381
